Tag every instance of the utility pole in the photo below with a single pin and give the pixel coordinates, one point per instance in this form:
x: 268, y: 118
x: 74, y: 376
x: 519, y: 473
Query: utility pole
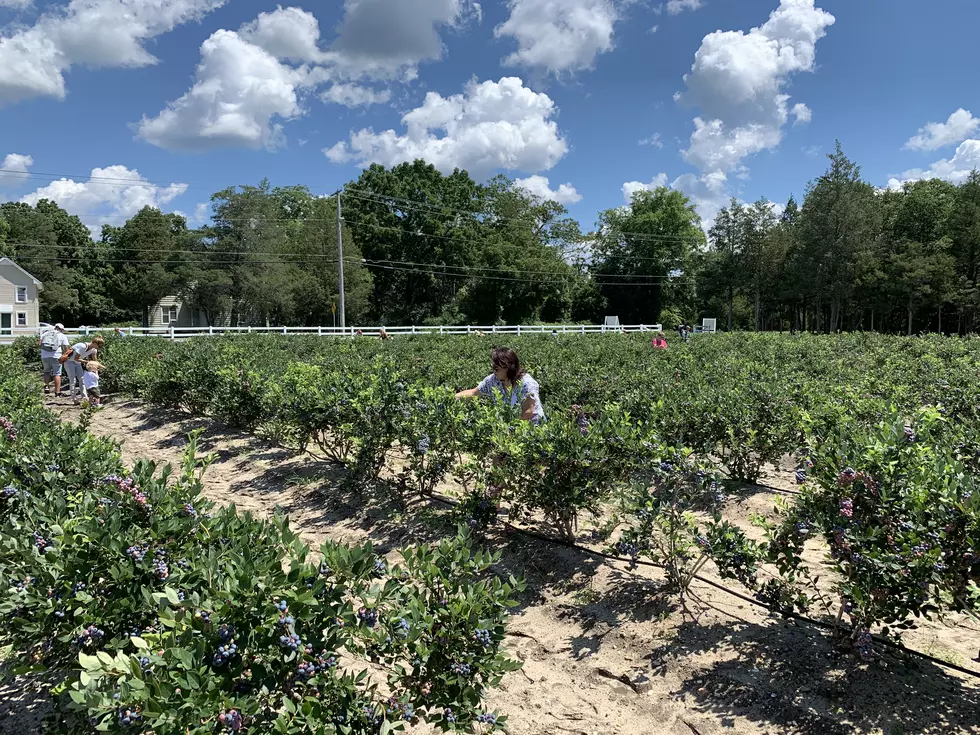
x: 340, y: 260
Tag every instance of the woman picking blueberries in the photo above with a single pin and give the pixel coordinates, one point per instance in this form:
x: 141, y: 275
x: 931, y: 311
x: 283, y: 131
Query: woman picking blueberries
x: 516, y: 387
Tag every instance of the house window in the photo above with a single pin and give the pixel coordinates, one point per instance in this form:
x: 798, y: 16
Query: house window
x: 21, y: 318
x: 21, y: 294
x: 169, y: 314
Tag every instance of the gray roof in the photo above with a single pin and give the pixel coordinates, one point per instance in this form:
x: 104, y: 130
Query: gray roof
x: 8, y: 261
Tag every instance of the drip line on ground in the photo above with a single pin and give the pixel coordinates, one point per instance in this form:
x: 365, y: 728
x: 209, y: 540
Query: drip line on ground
x: 717, y: 585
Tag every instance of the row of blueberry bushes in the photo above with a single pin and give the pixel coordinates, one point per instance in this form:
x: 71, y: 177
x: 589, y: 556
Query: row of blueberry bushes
x: 886, y: 469
x: 156, y: 611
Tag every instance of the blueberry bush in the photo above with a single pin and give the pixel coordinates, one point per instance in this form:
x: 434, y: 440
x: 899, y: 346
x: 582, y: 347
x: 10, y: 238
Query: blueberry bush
x: 164, y: 613
x: 886, y: 432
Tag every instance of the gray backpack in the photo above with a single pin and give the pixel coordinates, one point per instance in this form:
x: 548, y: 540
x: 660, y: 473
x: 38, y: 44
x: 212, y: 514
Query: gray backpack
x: 49, y: 340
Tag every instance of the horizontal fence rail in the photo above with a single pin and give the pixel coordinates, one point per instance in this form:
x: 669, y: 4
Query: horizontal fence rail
x: 178, y: 333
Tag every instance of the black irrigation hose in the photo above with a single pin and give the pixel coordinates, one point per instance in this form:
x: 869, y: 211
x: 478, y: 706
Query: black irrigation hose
x: 777, y: 489
x: 719, y: 586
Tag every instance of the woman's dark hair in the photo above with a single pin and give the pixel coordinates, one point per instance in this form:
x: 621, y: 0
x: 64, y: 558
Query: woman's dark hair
x: 505, y: 358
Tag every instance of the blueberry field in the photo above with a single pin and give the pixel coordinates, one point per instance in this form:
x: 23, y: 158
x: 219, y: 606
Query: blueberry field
x: 743, y: 533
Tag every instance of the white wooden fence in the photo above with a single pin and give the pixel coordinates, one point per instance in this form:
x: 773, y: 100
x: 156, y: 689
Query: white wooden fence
x: 177, y: 333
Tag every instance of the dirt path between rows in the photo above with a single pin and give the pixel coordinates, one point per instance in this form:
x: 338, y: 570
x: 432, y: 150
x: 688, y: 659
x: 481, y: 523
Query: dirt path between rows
x: 604, y: 653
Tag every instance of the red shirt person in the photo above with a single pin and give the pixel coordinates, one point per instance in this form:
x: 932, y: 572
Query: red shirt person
x: 659, y: 342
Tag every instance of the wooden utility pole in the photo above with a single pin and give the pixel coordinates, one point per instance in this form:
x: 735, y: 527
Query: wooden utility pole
x: 340, y: 260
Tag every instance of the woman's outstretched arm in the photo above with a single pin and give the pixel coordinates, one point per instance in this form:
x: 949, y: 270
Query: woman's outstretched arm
x: 471, y: 393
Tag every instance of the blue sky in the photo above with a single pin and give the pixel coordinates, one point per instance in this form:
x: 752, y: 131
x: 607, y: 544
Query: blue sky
x: 164, y: 103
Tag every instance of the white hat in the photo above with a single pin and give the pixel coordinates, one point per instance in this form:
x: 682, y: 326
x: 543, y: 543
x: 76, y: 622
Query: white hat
x: 60, y: 327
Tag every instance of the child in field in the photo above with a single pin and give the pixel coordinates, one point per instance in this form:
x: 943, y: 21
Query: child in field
x: 660, y: 342
x: 90, y: 382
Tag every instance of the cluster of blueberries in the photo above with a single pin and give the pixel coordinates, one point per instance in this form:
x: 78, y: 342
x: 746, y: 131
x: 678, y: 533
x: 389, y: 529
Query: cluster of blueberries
x: 231, y: 720
x: 224, y: 653
x: 90, y: 637
x: 405, y: 710
x: 368, y: 617
x: 129, y: 717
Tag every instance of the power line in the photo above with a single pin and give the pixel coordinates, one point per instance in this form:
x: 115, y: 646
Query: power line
x: 360, y: 261
x: 351, y: 192
x: 564, y: 251
x: 564, y: 280
x: 85, y: 179
x: 447, y: 238
x: 301, y: 258
x: 507, y: 270
x: 412, y: 204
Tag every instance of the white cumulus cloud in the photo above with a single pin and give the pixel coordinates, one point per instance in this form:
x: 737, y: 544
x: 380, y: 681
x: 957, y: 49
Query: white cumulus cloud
x: 238, y: 90
x: 492, y: 125
x: 802, y: 113
x: 383, y: 39
x: 679, y: 6
x: 286, y: 33
x: 540, y: 186
x: 932, y: 136
x: 738, y: 81
x: 250, y: 82
x: 708, y: 192
x: 16, y: 4
x: 559, y: 35
x: 15, y: 168
x: 956, y: 169
x: 116, y: 192
x: 631, y: 187
x: 94, y: 33
x: 350, y: 94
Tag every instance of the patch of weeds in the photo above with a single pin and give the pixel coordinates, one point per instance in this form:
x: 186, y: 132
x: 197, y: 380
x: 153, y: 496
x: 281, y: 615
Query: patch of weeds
x: 586, y: 596
x: 937, y: 650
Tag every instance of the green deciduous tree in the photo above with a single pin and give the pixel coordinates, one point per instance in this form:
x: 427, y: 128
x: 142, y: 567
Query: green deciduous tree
x: 650, y: 242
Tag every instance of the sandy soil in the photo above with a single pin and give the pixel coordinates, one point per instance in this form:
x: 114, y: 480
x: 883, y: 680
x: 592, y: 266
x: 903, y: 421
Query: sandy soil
x: 604, y: 651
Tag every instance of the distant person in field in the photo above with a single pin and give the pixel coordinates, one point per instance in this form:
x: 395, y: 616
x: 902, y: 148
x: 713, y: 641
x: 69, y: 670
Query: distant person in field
x: 383, y: 335
x: 660, y: 342
x: 81, y: 353
x: 54, y: 343
x: 120, y: 333
x: 511, y: 383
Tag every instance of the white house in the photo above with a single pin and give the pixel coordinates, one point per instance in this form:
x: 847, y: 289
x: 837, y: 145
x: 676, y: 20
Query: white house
x: 19, y: 292
x: 171, y: 311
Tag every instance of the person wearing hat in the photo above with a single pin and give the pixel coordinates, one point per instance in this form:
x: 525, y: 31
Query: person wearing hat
x: 54, y: 343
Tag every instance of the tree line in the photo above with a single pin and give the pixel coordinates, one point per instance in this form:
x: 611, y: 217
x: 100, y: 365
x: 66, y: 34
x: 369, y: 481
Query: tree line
x: 421, y: 247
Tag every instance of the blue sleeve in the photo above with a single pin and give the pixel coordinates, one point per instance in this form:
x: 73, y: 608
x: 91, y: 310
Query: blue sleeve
x: 485, y: 388
x: 531, y: 387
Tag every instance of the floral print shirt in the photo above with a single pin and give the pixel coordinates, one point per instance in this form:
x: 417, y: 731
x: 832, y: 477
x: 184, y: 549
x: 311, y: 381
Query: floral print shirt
x: 525, y: 387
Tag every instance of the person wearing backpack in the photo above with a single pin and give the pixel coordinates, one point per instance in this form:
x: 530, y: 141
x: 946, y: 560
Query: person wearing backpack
x: 54, y: 342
